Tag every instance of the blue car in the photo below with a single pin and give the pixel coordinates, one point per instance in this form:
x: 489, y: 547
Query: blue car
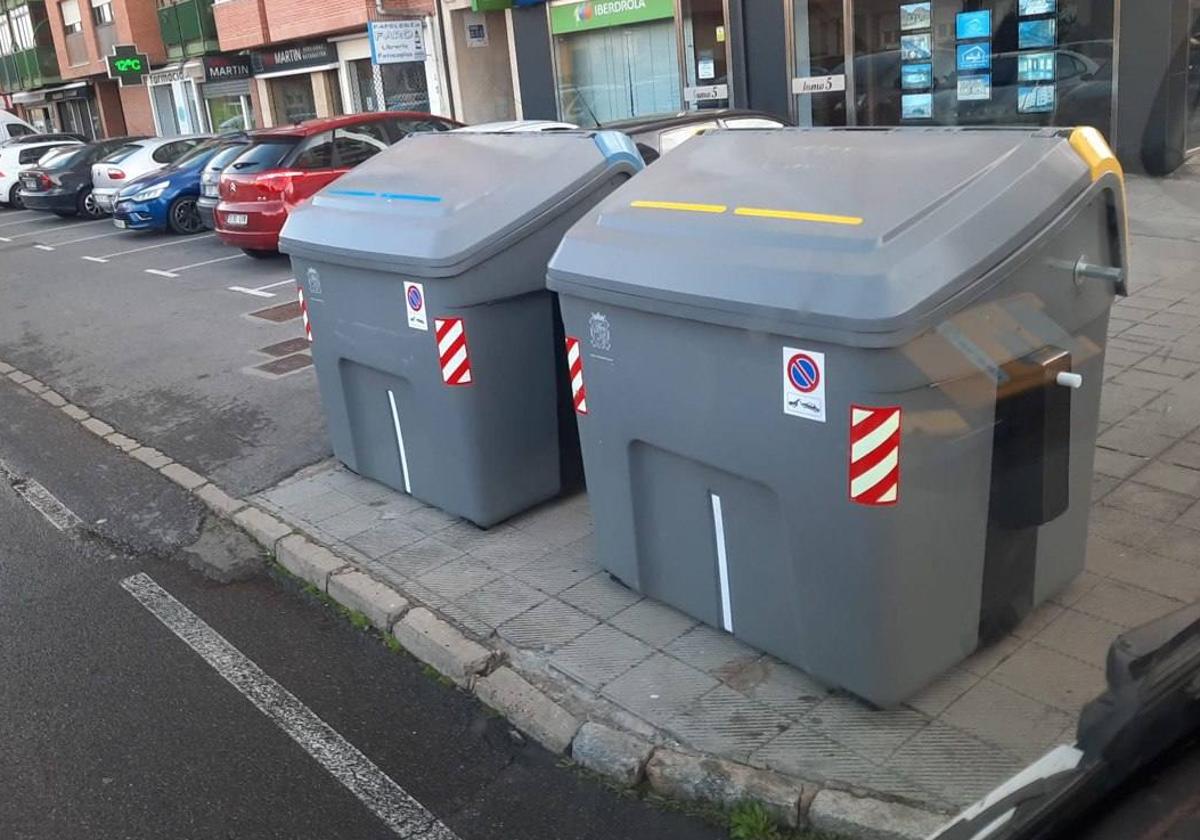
x: 166, y: 199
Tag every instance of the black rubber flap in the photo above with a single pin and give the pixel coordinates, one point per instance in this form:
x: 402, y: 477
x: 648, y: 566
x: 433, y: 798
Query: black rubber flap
x: 848, y: 231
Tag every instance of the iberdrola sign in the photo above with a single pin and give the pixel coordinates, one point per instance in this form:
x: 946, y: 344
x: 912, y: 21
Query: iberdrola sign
x: 597, y: 14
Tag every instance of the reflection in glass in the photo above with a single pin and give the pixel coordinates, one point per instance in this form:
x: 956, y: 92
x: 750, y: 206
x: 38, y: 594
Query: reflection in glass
x: 704, y: 53
x: 916, y: 106
x: 1035, y: 67
x: 1035, y: 33
x: 1036, y: 99
x: 973, y: 25
x: 974, y: 56
x: 1037, y: 7
x: 915, y: 16
x: 975, y: 88
x: 916, y: 76
x: 818, y: 28
x: 916, y: 47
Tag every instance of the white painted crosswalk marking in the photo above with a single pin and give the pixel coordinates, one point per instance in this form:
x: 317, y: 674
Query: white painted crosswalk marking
x: 403, y: 814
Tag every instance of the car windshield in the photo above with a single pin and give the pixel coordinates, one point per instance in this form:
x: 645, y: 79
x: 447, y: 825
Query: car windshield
x: 265, y: 154
x: 197, y: 153
x: 223, y: 158
x: 121, y: 153
x: 61, y: 158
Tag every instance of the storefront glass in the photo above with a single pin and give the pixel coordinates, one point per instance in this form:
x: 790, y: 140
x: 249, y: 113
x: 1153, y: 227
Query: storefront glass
x: 175, y: 108
x: 1193, y: 87
x: 292, y: 99
x: 972, y: 62
x: 819, y: 56
x: 615, y: 59
x: 230, y: 113
x: 403, y: 85
x: 704, y: 54
x: 78, y: 117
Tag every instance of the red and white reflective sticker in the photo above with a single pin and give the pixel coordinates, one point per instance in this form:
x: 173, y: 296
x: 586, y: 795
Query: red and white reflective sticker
x: 452, y: 350
x: 875, y: 455
x: 575, y: 369
x: 304, y: 312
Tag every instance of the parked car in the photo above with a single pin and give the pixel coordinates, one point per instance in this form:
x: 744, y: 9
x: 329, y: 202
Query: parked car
x: 62, y: 182
x: 166, y: 199
x: 514, y: 126
x: 13, y: 126
x: 42, y: 138
x: 657, y: 134
x: 18, y: 157
x: 134, y: 159
x: 284, y: 166
x: 210, y: 180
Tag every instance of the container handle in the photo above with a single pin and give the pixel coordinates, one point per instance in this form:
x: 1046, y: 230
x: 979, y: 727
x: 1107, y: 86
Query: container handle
x: 1114, y: 274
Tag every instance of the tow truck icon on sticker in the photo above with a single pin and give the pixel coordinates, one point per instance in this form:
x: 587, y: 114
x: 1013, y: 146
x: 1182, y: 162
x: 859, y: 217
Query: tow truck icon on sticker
x: 804, y: 384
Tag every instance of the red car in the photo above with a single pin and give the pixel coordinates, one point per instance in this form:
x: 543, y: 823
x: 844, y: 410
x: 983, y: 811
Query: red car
x: 283, y: 166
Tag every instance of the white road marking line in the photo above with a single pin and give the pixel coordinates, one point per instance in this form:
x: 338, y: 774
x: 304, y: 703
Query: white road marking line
x: 44, y: 247
x: 166, y: 244
x: 40, y: 499
x: 403, y: 814
x: 27, y: 221
x: 254, y: 292
x: 275, y: 285
x: 209, y: 262
x: 722, y: 563
x: 54, y: 229
x: 400, y: 442
x: 160, y: 272
x: 96, y: 259
x: 90, y: 238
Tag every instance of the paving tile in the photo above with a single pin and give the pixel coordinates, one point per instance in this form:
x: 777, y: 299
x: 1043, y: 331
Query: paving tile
x: 557, y: 524
x: 935, y: 697
x: 712, y: 651
x: 384, y: 538
x: 1161, y: 575
x: 1125, y: 605
x: 600, y: 655
x: 351, y: 522
x: 1191, y: 518
x: 1122, y: 526
x: 785, y: 689
x: 1146, y: 379
x: 1177, y: 542
x: 874, y: 733
x: 1145, y: 500
x: 547, y: 626
x: 658, y: 688
x: 500, y: 600
x: 1076, y: 589
x: 1118, y: 464
x: 357, y: 487
x: 985, y: 660
x: 1050, y: 677
x: 727, y: 723
x: 1102, y: 485
x: 420, y: 557
x: 1119, y: 401
x: 1033, y: 623
x: 552, y: 574
x: 1133, y: 441
x: 1185, y: 454
x: 954, y: 764
x: 654, y: 623
x: 317, y: 509
x: 468, y: 536
x: 804, y: 752
x: 1171, y: 477
x: 1179, y: 368
x: 298, y: 492
x: 600, y: 595
x: 428, y: 520
x: 1001, y: 716
x: 1173, y: 415
x: 509, y: 550
x: 1080, y: 635
x: 458, y: 577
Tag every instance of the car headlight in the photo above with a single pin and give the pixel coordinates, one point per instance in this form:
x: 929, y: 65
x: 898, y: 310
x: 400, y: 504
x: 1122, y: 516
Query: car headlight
x: 151, y: 192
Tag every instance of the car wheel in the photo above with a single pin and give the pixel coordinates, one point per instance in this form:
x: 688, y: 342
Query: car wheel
x: 259, y: 254
x: 65, y: 214
x: 87, y: 206
x: 184, y: 216
x: 15, y: 201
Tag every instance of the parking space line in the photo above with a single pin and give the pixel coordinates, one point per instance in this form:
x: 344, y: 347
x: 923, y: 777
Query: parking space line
x: 261, y: 291
x: 50, y: 230
x: 392, y: 804
x: 160, y: 272
x: 25, y: 221
x: 167, y: 244
x: 51, y: 247
x: 209, y: 262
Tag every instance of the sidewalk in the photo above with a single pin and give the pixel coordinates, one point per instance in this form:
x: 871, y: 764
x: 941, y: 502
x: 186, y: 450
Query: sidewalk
x: 531, y: 587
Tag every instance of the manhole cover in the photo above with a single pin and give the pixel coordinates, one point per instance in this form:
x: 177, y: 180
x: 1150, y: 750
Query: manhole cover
x: 283, y: 348
x: 287, y: 364
x: 278, y: 314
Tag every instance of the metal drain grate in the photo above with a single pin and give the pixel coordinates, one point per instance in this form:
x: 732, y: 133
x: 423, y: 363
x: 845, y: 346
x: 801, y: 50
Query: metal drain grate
x: 278, y: 314
x: 287, y: 364
x: 284, y: 348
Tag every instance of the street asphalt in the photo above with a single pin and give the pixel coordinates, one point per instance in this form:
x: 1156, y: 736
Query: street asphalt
x: 145, y: 330
x: 112, y: 727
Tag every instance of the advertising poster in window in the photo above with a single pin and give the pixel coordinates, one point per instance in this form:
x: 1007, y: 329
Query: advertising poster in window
x: 975, y: 88
x: 1035, y: 67
x: 1036, y: 7
x: 1035, y: 33
x: 916, y: 76
x: 968, y: 25
x: 916, y: 106
x: 916, y: 47
x: 974, y: 57
x: 915, y: 16
x: 1035, y: 99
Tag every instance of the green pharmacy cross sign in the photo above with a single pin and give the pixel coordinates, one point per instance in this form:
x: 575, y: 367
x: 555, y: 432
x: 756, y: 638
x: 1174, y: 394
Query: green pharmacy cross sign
x: 127, y: 65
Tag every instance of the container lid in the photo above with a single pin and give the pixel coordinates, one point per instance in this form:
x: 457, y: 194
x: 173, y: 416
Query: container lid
x: 841, y: 233
x: 434, y: 204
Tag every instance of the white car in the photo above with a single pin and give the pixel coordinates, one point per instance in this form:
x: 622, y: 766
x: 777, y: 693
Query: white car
x: 16, y: 158
x: 515, y: 126
x: 13, y: 126
x: 133, y: 160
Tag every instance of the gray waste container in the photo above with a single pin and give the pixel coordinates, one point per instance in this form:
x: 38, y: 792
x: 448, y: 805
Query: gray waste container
x: 434, y: 337
x: 821, y: 377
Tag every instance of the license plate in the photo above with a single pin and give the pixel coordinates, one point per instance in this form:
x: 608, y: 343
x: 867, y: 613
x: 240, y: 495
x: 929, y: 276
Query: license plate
x: 121, y: 223
x: 237, y: 219
x: 211, y: 191
x: 29, y: 183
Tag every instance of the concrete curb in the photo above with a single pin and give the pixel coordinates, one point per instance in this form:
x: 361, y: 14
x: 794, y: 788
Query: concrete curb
x: 619, y: 752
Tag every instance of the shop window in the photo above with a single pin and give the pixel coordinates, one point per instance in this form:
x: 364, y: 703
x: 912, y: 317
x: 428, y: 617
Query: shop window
x: 1193, y: 81
x: 819, y: 62
x: 354, y: 144
x: 704, y: 52
x: 403, y: 86
x: 228, y: 113
x: 315, y: 153
x: 292, y: 99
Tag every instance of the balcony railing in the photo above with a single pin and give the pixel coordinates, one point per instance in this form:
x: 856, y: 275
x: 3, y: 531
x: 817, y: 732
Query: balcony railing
x: 187, y: 27
x: 28, y: 69
x: 77, y: 52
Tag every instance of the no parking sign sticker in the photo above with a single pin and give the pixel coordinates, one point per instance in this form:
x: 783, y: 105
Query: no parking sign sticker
x: 804, y: 384
x: 414, y: 304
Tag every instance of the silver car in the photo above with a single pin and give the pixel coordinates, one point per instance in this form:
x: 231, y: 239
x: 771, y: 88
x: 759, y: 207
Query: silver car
x: 133, y: 160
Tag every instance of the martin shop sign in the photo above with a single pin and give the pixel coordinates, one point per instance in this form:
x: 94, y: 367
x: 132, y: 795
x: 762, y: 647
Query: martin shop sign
x: 227, y: 68
x: 597, y: 14
x: 294, y: 58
